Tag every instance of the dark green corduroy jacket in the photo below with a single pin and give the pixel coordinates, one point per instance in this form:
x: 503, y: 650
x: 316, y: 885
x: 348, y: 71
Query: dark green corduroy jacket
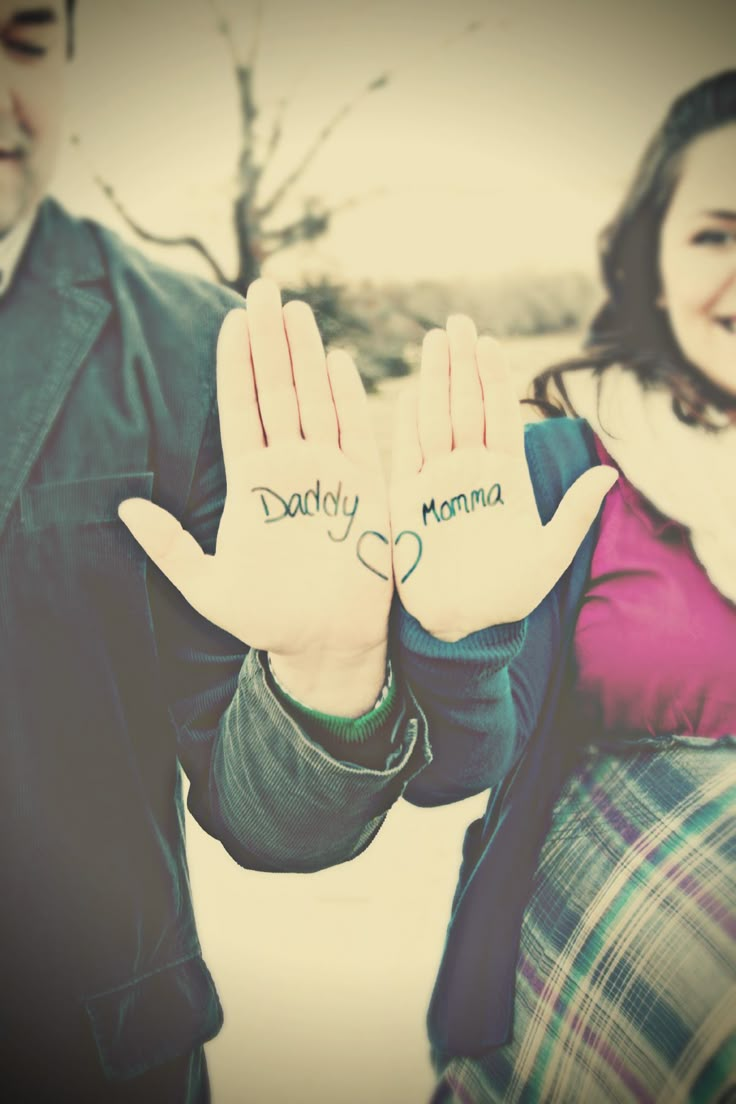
x: 109, y: 680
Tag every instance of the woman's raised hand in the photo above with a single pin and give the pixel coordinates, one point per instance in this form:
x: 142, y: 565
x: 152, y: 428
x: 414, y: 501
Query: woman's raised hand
x: 302, y: 567
x: 470, y: 550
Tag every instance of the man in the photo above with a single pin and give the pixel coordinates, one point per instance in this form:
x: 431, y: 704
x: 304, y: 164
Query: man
x: 110, y: 678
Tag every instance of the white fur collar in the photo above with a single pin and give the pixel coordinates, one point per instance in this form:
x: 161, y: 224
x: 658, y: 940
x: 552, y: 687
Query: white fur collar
x: 686, y: 472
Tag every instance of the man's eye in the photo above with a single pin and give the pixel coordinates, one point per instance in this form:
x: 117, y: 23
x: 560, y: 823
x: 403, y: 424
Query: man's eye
x: 714, y: 237
x: 24, y: 49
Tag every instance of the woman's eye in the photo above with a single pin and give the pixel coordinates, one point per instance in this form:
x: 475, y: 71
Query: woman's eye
x: 714, y: 237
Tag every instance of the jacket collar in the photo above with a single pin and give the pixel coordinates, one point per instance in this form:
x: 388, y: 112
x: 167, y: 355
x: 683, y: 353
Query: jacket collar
x: 50, y: 318
x: 11, y: 250
x: 62, y: 250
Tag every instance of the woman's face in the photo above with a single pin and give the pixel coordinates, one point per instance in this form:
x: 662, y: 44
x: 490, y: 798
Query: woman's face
x: 697, y: 257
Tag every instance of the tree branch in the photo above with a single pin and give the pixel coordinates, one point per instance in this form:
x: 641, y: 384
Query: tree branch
x: 161, y: 239
x: 256, y: 41
x: 310, y: 225
x: 349, y: 17
x: 249, y: 171
x: 225, y: 29
x: 325, y: 133
x: 347, y: 109
x: 274, y: 139
x: 314, y: 213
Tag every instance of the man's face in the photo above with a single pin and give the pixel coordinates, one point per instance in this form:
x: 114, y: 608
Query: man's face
x: 32, y: 79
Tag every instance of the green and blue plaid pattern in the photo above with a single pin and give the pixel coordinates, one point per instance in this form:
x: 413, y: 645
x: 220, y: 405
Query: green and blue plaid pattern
x: 626, y: 979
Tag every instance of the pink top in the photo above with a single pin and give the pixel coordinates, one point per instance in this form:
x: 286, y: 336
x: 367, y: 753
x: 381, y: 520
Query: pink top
x: 655, y: 642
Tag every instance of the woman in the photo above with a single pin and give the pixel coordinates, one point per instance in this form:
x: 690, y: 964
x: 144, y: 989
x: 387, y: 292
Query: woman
x: 591, y: 952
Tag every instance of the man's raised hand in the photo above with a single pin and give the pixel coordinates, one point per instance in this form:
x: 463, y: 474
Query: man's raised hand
x: 302, y: 567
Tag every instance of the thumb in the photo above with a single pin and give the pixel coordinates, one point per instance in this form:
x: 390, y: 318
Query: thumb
x: 575, y: 515
x: 174, y: 551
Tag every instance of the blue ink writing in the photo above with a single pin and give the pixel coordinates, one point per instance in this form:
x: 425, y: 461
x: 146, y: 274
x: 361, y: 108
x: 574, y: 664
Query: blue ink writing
x: 308, y: 503
x: 359, y: 551
x: 462, y: 503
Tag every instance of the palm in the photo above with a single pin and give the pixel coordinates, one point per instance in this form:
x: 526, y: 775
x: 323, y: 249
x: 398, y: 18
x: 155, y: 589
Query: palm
x: 471, y: 553
x: 313, y: 590
x: 462, y: 485
x: 286, y: 576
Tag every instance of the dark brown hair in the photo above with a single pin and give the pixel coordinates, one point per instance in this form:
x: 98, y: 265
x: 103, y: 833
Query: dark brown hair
x: 629, y: 328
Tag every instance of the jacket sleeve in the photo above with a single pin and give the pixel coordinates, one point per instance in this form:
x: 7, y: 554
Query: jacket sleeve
x: 277, y: 797
x: 483, y: 695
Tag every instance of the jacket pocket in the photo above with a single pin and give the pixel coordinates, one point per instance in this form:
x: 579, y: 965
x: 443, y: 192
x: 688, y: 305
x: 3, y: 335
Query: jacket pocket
x: 76, y: 564
x: 154, y: 1018
x: 80, y: 501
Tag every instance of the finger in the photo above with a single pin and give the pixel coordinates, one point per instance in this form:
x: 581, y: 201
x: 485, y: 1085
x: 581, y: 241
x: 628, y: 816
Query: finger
x: 174, y: 551
x: 357, y: 439
x: 466, y: 398
x: 435, y: 426
x: 272, y: 364
x: 406, y: 452
x: 504, y: 425
x: 240, y: 422
x: 565, y: 531
x: 309, y: 367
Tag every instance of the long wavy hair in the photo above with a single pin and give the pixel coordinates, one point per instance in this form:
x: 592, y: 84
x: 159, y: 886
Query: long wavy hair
x: 630, y: 329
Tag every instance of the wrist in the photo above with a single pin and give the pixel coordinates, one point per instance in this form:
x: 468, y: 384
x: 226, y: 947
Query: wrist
x: 339, y: 685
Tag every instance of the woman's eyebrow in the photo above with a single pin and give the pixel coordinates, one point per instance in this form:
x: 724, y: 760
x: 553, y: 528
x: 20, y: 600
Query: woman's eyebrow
x: 33, y: 17
x: 728, y: 216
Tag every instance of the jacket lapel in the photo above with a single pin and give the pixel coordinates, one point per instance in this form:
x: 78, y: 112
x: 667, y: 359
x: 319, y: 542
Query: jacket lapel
x: 49, y: 321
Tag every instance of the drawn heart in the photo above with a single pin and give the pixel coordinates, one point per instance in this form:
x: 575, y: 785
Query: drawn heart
x: 361, y: 538
x: 384, y: 540
x: 418, y: 539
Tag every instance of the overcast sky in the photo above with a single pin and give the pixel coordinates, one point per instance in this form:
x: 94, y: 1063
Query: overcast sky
x: 499, y: 150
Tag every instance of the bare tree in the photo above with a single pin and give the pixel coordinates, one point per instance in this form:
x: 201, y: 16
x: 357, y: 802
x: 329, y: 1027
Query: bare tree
x: 260, y: 231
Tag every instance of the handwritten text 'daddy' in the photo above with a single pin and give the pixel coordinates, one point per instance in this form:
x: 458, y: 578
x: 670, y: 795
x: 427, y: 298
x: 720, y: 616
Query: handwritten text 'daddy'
x: 308, y: 503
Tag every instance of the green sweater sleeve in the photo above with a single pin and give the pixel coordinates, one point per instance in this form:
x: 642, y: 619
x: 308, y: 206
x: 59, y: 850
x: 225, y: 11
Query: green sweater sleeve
x: 366, y: 741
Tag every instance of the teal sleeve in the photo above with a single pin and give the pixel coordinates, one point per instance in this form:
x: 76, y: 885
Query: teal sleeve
x: 483, y: 695
x: 366, y: 741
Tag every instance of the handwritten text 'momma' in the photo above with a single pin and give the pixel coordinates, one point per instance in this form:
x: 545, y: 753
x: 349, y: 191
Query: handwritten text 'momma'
x: 462, y: 503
